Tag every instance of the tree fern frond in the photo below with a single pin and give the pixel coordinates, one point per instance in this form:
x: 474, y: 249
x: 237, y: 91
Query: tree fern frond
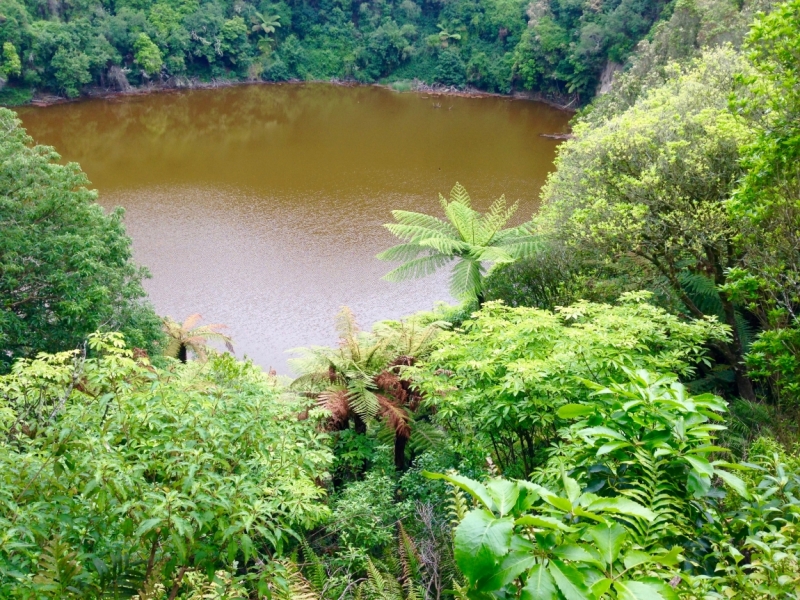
x: 459, y: 194
x: 363, y: 401
x: 495, y: 219
x: 493, y: 254
x: 419, y: 267
x: 445, y: 246
x: 402, y: 252
x: 465, y: 220
x: 426, y: 436
x: 413, y: 233
x: 416, y: 219
x: 466, y: 279
x: 703, y: 292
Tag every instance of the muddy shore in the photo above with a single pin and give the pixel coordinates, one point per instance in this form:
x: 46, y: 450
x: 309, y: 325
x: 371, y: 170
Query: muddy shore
x: 178, y: 84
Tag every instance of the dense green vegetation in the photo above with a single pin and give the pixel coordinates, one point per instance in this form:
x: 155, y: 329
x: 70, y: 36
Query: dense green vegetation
x: 65, y: 267
x: 611, y: 413
x: 559, y: 48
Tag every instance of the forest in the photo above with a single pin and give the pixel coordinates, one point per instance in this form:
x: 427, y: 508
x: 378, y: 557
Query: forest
x: 558, y: 49
x: 610, y: 412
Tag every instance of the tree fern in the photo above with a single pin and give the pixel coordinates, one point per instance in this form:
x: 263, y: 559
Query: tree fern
x: 467, y: 237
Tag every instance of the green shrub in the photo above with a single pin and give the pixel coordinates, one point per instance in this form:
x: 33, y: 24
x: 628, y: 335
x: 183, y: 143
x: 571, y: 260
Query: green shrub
x: 117, y: 476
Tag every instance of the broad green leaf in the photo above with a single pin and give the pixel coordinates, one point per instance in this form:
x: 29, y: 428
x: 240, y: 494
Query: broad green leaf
x: 634, y: 558
x: 668, y: 559
x: 623, y: 506
x: 578, y: 553
x: 544, y: 522
x: 600, y: 587
x: 736, y: 483
x: 540, y: 585
x: 475, y: 488
x: 512, y: 566
x: 701, y: 465
x: 572, y: 488
x: 611, y: 447
x: 602, y: 432
x: 635, y: 590
x: 609, y: 540
x: 572, y: 411
x: 146, y: 526
x: 504, y: 493
x: 697, y: 484
x: 571, y: 582
x: 481, y: 541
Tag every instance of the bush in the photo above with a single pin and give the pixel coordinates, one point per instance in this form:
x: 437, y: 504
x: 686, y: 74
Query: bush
x: 118, y: 477
x: 65, y: 266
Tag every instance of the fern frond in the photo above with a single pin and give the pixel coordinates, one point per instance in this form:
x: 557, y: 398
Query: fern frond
x: 413, y: 233
x: 457, y: 507
x: 459, y: 194
x: 363, y: 401
x: 465, y: 220
x: 416, y: 219
x: 410, y: 560
x: 426, y: 436
x: 315, y: 569
x: 446, y: 246
x: 299, y: 587
x: 379, y: 587
x: 407, y: 251
x: 466, y: 278
x: 419, y: 267
x: 494, y: 254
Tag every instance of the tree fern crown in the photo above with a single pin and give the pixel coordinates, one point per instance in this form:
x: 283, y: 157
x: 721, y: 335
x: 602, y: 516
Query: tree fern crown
x: 469, y: 238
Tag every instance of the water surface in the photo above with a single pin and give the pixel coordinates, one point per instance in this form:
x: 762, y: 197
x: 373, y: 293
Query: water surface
x: 260, y: 206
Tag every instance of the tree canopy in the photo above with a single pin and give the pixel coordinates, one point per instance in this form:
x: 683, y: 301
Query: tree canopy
x: 65, y: 265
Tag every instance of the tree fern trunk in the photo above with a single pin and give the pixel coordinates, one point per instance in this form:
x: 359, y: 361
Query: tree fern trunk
x: 400, y: 442
x: 183, y: 354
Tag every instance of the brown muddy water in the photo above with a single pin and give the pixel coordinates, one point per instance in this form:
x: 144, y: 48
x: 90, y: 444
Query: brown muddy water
x: 261, y: 206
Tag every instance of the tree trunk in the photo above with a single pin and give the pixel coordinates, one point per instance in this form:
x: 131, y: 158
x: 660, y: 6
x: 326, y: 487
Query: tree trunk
x: 400, y: 442
x: 183, y: 354
x: 744, y: 384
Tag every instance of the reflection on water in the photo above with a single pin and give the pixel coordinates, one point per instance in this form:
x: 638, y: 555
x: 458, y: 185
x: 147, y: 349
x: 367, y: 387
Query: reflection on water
x: 260, y: 206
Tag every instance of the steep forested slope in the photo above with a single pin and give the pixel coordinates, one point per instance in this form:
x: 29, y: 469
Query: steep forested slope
x: 559, y: 47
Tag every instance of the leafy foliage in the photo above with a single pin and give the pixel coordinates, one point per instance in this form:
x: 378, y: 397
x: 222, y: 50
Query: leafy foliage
x: 502, y: 378
x: 652, y: 182
x: 361, y: 381
x: 65, y: 266
x: 186, y: 337
x: 469, y: 238
x: 143, y: 477
x: 494, y: 45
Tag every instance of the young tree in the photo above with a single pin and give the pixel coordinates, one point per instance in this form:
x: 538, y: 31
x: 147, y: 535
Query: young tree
x: 65, y: 266
x: 467, y: 237
x: 653, y: 182
x: 147, y: 56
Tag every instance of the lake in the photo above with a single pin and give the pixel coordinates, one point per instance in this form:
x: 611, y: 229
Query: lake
x: 261, y: 206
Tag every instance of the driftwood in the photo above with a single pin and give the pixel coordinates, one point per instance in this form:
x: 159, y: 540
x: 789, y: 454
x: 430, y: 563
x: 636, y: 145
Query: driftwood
x: 557, y: 136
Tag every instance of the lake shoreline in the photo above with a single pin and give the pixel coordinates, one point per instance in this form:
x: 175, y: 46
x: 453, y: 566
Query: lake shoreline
x: 183, y: 84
